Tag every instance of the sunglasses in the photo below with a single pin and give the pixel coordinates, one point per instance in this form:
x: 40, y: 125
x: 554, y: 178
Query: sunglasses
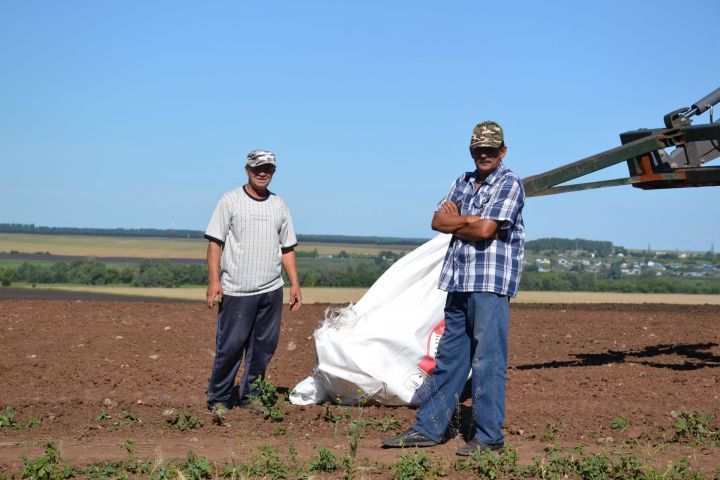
x: 268, y: 169
x: 480, y: 152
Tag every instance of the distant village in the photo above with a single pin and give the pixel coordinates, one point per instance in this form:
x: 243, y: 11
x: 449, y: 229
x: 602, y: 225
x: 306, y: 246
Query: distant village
x: 640, y: 263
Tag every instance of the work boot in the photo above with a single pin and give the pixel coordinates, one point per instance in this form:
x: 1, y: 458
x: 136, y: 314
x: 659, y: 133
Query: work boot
x: 409, y: 438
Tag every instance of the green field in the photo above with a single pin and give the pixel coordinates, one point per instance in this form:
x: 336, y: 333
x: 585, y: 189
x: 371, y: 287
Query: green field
x: 148, y: 247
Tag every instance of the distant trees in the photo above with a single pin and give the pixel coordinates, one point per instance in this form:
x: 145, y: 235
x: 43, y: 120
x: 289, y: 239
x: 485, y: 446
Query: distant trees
x: 601, y: 248
x: 149, y: 273
x: 593, y: 282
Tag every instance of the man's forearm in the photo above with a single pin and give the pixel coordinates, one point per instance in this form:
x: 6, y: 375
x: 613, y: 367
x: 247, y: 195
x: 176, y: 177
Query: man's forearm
x: 482, y: 229
x: 213, y: 261
x: 447, y: 223
x: 289, y: 262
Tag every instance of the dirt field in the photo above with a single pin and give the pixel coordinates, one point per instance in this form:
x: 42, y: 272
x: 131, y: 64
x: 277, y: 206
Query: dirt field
x: 574, y: 369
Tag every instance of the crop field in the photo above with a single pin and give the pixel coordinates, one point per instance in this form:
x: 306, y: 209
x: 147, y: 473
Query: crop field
x: 352, y: 295
x: 109, y: 389
x: 99, y: 246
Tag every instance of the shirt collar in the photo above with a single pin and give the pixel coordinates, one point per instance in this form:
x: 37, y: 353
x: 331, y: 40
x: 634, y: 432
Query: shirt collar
x: 491, y: 179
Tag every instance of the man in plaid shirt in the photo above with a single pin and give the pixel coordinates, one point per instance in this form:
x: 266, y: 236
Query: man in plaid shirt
x: 481, y: 271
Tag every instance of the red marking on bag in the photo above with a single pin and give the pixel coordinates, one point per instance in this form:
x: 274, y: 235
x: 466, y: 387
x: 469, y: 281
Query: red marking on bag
x: 427, y: 363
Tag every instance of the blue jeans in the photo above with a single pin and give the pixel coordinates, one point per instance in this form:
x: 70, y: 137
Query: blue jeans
x: 475, y: 338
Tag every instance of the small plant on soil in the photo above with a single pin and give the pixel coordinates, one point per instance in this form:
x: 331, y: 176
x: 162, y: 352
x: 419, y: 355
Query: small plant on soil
x: 197, y: 467
x: 551, y: 432
x: 335, y: 415
x: 491, y: 465
x: 133, y: 463
x: 695, y: 427
x: 323, y: 461
x: 103, y: 415
x: 103, y: 470
x: 7, y: 420
x: 384, y: 424
x: 49, y: 466
x: 268, y: 464
x: 414, y: 466
x: 267, y: 396
x: 125, y: 419
x: 619, y: 423
x: 184, y: 421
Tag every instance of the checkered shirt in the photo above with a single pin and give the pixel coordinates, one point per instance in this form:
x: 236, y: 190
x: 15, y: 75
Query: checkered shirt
x: 491, y: 265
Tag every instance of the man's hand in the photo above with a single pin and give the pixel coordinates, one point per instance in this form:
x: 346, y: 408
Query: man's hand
x: 295, y: 299
x: 214, y: 291
x: 450, y: 208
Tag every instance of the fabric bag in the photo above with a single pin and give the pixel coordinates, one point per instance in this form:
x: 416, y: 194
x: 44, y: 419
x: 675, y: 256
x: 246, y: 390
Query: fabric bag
x: 382, y: 348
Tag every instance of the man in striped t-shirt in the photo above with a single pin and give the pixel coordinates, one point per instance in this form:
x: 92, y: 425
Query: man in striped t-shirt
x: 250, y: 236
x: 481, y: 271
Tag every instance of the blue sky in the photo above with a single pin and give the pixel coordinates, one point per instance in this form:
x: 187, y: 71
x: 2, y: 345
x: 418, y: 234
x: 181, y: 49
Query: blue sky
x: 140, y: 114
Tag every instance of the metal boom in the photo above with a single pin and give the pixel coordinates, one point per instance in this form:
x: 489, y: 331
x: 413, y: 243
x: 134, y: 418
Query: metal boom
x: 649, y: 165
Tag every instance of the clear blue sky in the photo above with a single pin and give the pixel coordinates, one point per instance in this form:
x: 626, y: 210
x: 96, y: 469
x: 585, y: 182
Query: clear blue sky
x: 140, y: 114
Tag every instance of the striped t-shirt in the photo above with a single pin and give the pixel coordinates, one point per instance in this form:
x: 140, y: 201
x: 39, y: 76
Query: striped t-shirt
x: 491, y: 265
x: 252, y: 233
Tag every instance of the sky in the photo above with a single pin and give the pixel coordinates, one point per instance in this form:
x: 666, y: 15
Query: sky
x: 140, y: 114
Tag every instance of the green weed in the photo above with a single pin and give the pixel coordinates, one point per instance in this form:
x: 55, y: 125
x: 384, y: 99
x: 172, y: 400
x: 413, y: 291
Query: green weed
x: 267, y: 396
x: 104, y: 471
x: 323, y: 461
x: 384, y: 424
x: 267, y: 463
x: 49, y: 466
x: 133, y: 463
x: 197, y: 468
x: 551, y: 432
x: 488, y: 464
x: 103, y: 415
x: 619, y: 423
x: 184, y: 421
x: 7, y: 420
x: 695, y: 427
x: 415, y: 466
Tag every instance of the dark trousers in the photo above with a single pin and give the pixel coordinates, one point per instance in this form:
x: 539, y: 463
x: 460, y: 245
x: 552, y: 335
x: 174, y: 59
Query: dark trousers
x: 246, y: 327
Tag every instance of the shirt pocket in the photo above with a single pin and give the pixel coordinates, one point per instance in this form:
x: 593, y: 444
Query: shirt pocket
x: 479, y: 204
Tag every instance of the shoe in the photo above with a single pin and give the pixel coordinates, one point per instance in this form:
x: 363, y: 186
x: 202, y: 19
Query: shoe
x: 477, y: 446
x: 409, y: 438
x: 218, y: 408
x: 252, y: 405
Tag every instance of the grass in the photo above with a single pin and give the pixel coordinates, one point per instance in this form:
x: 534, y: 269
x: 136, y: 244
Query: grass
x: 271, y: 462
x: 149, y: 247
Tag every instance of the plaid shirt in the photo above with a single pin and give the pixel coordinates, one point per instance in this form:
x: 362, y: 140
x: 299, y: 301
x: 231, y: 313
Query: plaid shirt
x: 491, y: 265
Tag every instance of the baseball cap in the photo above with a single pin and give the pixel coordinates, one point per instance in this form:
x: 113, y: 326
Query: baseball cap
x: 260, y: 157
x: 487, y: 134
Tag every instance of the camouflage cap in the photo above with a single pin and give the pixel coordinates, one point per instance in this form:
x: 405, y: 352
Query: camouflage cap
x: 260, y: 157
x: 487, y: 134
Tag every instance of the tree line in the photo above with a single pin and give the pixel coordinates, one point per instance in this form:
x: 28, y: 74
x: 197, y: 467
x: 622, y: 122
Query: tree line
x: 185, y: 233
x: 148, y: 273
x: 161, y: 273
x: 600, y: 247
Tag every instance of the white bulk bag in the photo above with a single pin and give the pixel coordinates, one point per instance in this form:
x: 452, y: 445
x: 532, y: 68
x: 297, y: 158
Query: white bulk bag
x: 382, y: 348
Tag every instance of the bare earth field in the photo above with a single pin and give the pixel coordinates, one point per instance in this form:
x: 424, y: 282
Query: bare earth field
x: 574, y: 369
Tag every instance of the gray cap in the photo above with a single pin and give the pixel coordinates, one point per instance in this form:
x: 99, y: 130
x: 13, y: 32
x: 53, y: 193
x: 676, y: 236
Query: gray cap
x: 260, y: 157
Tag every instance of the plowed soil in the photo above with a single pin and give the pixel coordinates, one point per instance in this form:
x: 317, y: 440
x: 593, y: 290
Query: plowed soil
x: 78, y: 365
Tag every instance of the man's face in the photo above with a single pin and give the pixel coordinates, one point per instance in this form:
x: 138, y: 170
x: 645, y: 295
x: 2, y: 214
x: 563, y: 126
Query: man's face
x: 260, y: 176
x: 487, y: 159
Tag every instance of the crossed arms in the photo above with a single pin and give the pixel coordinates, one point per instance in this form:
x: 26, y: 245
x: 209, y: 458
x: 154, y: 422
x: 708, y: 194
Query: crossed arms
x: 466, y: 227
